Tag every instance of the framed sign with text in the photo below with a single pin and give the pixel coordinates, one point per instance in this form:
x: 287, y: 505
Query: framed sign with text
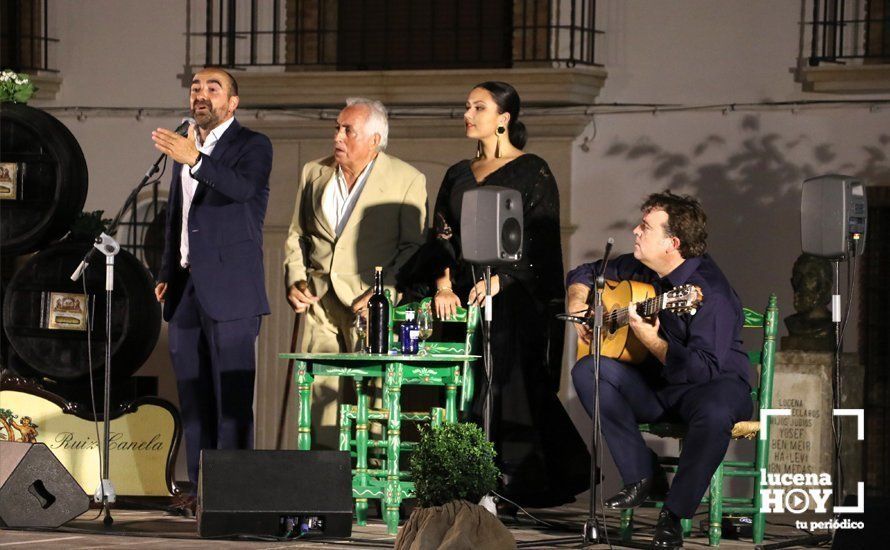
x: 145, y: 437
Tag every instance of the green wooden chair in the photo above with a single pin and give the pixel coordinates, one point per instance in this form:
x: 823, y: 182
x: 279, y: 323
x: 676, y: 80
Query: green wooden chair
x: 356, y: 420
x: 469, y: 318
x: 762, y: 397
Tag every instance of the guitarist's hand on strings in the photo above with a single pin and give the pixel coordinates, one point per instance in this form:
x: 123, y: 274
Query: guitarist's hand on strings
x: 646, y: 331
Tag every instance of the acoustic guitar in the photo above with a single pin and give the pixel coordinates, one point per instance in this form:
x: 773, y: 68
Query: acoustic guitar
x: 618, y: 340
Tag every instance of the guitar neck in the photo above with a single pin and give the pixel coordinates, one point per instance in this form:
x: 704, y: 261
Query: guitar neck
x: 619, y: 317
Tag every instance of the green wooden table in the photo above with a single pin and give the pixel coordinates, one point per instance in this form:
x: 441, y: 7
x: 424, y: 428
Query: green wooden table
x: 395, y: 371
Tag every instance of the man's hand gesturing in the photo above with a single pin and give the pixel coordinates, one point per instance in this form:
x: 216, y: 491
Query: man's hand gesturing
x: 179, y: 148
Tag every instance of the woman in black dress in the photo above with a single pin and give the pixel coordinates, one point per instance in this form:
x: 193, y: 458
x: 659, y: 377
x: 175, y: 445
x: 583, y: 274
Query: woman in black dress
x: 543, y: 459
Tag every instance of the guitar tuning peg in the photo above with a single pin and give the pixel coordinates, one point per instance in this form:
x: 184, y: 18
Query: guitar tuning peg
x: 692, y: 311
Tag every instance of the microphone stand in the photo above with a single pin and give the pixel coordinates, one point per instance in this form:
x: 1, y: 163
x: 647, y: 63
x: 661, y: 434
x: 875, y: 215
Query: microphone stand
x: 487, y: 501
x: 105, y: 492
x: 107, y: 246
x: 486, y: 351
x: 591, y: 529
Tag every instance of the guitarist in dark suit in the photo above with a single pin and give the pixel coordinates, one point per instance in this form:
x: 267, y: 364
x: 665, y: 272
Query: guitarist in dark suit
x: 211, y: 279
x: 696, y: 372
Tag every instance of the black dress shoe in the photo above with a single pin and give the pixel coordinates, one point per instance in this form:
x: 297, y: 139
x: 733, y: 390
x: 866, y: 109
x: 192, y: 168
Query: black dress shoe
x: 668, y: 532
x: 634, y: 494
x: 631, y: 496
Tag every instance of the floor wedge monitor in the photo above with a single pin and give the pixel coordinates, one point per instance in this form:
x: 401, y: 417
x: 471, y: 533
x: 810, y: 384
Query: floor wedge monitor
x: 275, y: 493
x: 35, y: 489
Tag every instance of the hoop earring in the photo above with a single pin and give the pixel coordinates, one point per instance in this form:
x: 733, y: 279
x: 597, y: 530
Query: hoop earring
x: 479, y: 149
x: 497, y: 148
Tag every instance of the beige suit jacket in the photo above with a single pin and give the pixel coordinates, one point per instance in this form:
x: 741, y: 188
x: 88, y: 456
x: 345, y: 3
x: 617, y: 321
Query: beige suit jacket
x: 385, y: 228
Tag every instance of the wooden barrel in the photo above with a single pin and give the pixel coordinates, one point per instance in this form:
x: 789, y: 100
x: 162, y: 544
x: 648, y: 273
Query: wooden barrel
x: 43, y: 179
x: 44, y: 314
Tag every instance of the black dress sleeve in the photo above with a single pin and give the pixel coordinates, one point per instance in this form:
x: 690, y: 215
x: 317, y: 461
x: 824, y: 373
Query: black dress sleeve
x: 417, y: 277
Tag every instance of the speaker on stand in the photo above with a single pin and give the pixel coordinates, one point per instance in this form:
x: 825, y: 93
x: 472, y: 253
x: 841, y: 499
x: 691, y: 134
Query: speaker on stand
x: 833, y: 213
x: 833, y: 220
x: 491, y: 234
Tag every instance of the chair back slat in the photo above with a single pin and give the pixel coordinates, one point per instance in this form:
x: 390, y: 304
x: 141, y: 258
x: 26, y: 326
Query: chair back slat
x: 468, y: 316
x: 763, y: 360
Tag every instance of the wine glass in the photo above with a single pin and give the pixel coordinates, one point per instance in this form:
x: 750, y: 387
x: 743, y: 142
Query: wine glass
x: 424, y: 327
x: 360, y: 324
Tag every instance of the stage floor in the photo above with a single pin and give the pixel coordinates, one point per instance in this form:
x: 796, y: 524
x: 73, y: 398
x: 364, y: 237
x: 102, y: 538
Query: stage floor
x: 151, y: 529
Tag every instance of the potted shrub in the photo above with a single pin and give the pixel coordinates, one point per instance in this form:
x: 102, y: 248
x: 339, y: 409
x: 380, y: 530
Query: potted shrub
x: 453, y: 468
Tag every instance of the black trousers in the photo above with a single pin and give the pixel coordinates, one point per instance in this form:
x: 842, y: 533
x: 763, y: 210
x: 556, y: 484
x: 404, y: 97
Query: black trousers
x: 215, y: 366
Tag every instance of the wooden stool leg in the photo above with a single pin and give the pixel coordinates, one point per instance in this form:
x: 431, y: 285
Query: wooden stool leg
x: 361, y: 448
x: 715, y: 513
x: 437, y: 417
x: 393, y: 497
x: 345, y: 428
x: 627, y: 525
x: 466, y: 389
x: 451, y: 404
x: 304, y: 416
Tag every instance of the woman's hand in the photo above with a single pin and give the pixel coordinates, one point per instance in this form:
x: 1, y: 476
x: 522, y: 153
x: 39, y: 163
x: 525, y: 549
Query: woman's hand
x: 446, y: 303
x: 477, y: 293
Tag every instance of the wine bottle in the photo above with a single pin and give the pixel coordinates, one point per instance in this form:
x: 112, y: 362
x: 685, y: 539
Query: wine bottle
x: 378, y: 316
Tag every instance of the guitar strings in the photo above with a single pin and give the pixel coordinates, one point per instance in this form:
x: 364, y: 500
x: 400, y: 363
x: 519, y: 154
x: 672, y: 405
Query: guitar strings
x: 620, y: 314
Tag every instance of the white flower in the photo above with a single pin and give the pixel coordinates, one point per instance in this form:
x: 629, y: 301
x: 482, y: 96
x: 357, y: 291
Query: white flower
x: 19, y: 82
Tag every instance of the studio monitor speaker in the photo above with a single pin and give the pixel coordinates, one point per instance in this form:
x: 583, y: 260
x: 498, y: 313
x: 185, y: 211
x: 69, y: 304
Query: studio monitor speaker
x: 35, y: 489
x: 491, y: 225
x: 274, y: 493
x: 833, y: 213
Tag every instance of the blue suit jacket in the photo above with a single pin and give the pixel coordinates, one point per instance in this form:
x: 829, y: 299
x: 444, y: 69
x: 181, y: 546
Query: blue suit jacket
x: 225, y: 226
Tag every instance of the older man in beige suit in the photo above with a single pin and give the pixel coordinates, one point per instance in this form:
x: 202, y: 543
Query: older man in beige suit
x: 355, y: 210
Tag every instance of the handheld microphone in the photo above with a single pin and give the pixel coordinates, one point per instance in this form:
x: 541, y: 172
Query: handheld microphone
x: 183, y: 128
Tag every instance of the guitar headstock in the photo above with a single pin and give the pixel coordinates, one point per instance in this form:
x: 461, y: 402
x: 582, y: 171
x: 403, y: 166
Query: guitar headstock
x: 683, y: 299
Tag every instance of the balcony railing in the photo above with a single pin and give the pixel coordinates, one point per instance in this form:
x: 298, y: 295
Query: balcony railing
x: 392, y: 34
x: 24, y: 36
x: 844, y: 31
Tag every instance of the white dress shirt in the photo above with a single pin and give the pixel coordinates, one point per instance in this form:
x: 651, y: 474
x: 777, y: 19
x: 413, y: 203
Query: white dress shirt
x: 339, y: 201
x: 190, y: 185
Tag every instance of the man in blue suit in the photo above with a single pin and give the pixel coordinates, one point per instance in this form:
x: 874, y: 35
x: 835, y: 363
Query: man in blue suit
x: 211, y: 279
x: 697, y: 371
